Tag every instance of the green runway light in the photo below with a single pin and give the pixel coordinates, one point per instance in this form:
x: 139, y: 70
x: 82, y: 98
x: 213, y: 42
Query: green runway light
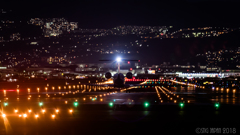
x: 75, y: 103
x: 5, y: 104
x: 181, y: 104
x: 146, y: 104
x: 40, y: 104
x: 111, y: 104
x: 216, y: 105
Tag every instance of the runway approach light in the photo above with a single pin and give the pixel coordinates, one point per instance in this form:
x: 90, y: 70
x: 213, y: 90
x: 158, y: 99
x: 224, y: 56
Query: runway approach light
x: 43, y: 110
x: 146, y: 104
x: 216, y: 105
x: 118, y: 59
x: 40, y: 103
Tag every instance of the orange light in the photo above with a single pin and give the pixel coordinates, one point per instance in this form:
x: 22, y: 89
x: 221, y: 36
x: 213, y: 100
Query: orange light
x: 43, y: 110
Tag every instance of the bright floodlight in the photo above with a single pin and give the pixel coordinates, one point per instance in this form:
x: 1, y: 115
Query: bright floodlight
x: 118, y: 59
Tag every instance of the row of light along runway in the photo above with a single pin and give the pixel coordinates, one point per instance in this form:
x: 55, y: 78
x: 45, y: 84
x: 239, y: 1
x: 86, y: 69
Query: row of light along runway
x: 44, y: 100
x: 217, y: 94
x: 76, y: 108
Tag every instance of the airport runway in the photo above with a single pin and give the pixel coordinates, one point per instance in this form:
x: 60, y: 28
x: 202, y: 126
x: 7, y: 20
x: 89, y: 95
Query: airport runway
x: 77, y: 109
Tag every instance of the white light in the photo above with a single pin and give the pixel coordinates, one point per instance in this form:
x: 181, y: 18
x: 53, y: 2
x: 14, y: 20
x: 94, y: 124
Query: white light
x: 118, y: 59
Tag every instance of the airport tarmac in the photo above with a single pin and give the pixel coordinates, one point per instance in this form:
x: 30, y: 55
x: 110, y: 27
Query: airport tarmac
x: 79, y: 109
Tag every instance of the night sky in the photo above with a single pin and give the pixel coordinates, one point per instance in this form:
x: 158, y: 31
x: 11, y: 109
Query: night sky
x: 108, y: 14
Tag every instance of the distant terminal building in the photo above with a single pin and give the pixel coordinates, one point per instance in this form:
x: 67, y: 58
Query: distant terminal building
x: 199, y: 75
